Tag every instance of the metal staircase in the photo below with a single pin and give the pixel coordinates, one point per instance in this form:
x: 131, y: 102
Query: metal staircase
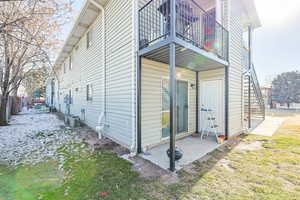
x: 254, y: 106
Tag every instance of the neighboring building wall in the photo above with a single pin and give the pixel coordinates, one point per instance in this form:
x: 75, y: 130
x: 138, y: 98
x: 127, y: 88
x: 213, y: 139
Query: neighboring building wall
x: 295, y: 105
x: 49, y: 92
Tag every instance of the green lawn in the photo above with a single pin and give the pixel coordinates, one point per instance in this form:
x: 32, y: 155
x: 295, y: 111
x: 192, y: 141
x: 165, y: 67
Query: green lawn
x: 269, y: 172
x: 86, y: 176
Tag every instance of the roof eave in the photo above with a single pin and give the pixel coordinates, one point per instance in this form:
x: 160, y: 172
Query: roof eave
x: 250, y: 14
x: 78, y: 29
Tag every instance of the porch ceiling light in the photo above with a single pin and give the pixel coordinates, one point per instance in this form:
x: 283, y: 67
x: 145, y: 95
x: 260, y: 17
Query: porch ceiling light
x: 178, y: 75
x: 183, y: 49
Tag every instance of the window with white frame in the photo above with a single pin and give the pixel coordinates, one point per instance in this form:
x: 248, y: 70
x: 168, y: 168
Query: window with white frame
x: 89, y: 92
x: 70, y: 63
x: 89, y: 38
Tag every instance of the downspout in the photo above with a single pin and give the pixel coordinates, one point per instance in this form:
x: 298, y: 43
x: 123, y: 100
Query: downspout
x: 52, y: 94
x: 197, y: 102
x: 249, y: 75
x: 104, y: 52
x: 135, y: 44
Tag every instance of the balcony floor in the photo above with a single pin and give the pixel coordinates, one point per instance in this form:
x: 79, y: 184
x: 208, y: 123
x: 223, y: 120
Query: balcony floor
x: 187, y: 56
x: 193, y: 149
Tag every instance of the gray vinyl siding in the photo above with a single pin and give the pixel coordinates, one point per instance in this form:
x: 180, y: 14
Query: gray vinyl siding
x: 235, y: 71
x: 87, y: 68
x: 212, y: 74
x: 142, y: 3
x: 152, y: 75
x: 120, y: 65
x: 120, y: 78
x: 151, y: 127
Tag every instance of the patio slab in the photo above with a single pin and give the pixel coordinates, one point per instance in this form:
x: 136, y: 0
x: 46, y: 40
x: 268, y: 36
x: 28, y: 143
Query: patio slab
x: 269, y: 126
x: 193, y: 149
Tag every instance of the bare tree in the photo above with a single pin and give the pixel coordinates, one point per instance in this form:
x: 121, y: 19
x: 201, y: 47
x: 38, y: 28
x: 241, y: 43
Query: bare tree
x: 29, y: 32
x: 34, y: 80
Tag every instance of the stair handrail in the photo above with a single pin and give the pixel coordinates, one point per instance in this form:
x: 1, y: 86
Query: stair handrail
x: 257, y: 89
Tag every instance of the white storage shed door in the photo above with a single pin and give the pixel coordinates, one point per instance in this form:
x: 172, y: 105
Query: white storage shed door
x: 212, y: 97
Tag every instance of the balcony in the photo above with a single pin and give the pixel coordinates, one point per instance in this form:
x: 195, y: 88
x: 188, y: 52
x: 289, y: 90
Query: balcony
x: 201, y: 42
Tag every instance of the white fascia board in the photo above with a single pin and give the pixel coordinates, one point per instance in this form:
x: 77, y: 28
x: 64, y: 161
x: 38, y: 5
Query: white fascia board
x: 73, y: 35
x: 250, y: 14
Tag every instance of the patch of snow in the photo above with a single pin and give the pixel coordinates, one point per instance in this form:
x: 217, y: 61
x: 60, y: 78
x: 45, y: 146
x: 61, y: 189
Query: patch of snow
x: 127, y: 157
x: 225, y: 163
x: 33, y: 137
x: 257, y: 145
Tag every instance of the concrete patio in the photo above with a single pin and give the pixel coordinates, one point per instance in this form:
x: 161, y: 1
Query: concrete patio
x: 193, y: 149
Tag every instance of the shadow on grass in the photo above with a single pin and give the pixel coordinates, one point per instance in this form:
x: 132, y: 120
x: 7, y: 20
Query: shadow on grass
x: 80, y: 175
x: 190, y: 175
x: 231, y: 172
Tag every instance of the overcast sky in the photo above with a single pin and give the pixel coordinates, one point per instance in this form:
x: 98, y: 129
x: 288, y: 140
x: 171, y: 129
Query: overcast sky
x: 276, y: 45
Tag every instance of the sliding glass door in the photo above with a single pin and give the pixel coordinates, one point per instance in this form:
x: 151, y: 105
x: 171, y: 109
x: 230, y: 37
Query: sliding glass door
x: 182, y: 107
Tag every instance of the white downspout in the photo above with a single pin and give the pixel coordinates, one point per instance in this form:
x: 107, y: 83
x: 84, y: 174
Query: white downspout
x: 103, y: 57
x: 135, y: 39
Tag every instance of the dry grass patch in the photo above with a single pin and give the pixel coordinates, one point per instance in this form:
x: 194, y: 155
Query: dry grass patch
x: 259, y: 168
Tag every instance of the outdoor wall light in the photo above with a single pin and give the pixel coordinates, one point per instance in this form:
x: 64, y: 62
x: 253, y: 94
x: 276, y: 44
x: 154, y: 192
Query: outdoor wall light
x: 178, y: 75
x: 193, y: 86
x: 183, y: 49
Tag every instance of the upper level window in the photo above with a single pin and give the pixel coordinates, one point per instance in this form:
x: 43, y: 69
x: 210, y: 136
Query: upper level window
x: 89, y: 38
x: 64, y: 67
x: 89, y: 92
x: 70, y: 63
x: 70, y: 97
